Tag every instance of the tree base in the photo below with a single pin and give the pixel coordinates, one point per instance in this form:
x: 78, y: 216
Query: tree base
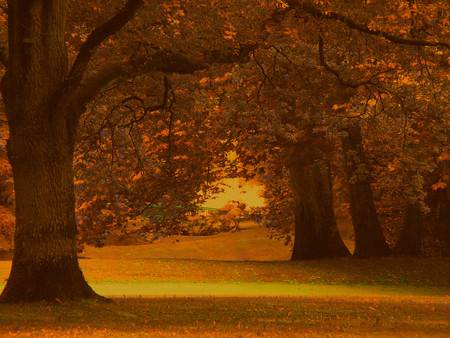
x: 56, y: 283
x: 304, y: 251
x: 380, y: 250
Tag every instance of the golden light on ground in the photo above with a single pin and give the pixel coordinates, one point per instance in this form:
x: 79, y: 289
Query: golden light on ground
x: 238, y: 191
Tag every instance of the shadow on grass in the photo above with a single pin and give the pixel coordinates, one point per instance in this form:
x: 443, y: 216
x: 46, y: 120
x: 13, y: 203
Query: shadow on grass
x: 228, y: 317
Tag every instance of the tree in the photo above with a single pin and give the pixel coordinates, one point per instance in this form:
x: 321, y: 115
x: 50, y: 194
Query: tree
x: 369, y: 239
x: 45, y: 91
x: 372, y: 48
x: 316, y: 231
x: 411, y: 39
x: 409, y: 241
x: 279, y: 140
x: 393, y: 55
x: 42, y: 123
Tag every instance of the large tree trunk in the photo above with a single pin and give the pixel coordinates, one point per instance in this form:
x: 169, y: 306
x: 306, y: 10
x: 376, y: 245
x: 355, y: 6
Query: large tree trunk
x: 409, y: 241
x: 40, y: 149
x: 369, y: 238
x: 45, y: 264
x: 316, y: 232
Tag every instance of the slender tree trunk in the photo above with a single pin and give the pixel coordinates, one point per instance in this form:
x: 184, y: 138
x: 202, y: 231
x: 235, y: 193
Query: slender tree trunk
x: 42, y: 127
x: 409, y: 241
x: 369, y: 238
x: 316, y: 232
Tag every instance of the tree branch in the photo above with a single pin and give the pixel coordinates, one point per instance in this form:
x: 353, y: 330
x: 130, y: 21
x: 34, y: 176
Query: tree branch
x: 98, y: 35
x: 312, y: 10
x: 336, y: 73
x: 161, y: 61
x: 323, y: 62
x: 149, y: 109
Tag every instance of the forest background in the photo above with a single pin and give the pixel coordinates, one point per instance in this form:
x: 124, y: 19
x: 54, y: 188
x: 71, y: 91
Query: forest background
x: 133, y: 108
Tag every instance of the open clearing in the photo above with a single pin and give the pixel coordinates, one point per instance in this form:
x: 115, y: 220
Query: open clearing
x: 182, y: 289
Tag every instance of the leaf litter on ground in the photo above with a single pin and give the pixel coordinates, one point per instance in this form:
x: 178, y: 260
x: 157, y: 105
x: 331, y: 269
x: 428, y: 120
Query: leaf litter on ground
x: 299, y: 316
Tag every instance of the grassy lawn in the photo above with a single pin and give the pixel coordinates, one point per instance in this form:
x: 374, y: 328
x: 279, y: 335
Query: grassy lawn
x: 247, y: 256
x: 229, y: 317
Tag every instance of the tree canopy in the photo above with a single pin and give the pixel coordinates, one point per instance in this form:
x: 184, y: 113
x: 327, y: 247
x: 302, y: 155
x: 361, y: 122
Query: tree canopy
x: 117, y: 109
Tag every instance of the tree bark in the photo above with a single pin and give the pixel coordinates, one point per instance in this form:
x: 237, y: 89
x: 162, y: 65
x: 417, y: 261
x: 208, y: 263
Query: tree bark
x: 45, y: 264
x: 42, y: 127
x: 316, y: 232
x: 409, y: 241
x: 369, y: 238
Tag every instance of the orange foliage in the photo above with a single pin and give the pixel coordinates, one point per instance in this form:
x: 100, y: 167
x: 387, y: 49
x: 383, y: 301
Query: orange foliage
x: 7, y: 221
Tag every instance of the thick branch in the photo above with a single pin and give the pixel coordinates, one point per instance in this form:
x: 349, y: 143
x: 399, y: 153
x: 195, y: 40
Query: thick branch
x: 162, y: 61
x: 98, y: 35
x: 312, y: 10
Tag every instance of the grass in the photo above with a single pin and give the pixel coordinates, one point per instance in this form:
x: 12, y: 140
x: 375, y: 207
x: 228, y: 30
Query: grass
x: 347, y: 271
x: 219, y: 259
x: 229, y: 317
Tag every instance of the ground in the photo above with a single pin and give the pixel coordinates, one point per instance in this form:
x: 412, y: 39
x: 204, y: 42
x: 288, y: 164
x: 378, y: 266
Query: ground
x: 242, y: 285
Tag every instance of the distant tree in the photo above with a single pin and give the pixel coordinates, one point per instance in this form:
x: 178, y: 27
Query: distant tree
x: 396, y: 53
x: 234, y: 213
x: 280, y: 141
x: 369, y: 238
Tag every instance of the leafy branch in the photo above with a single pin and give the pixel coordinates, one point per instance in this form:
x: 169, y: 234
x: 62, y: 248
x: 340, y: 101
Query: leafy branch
x: 164, y: 61
x: 148, y: 109
x: 312, y: 10
x: 97, y: 36
x: 336, y: 73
